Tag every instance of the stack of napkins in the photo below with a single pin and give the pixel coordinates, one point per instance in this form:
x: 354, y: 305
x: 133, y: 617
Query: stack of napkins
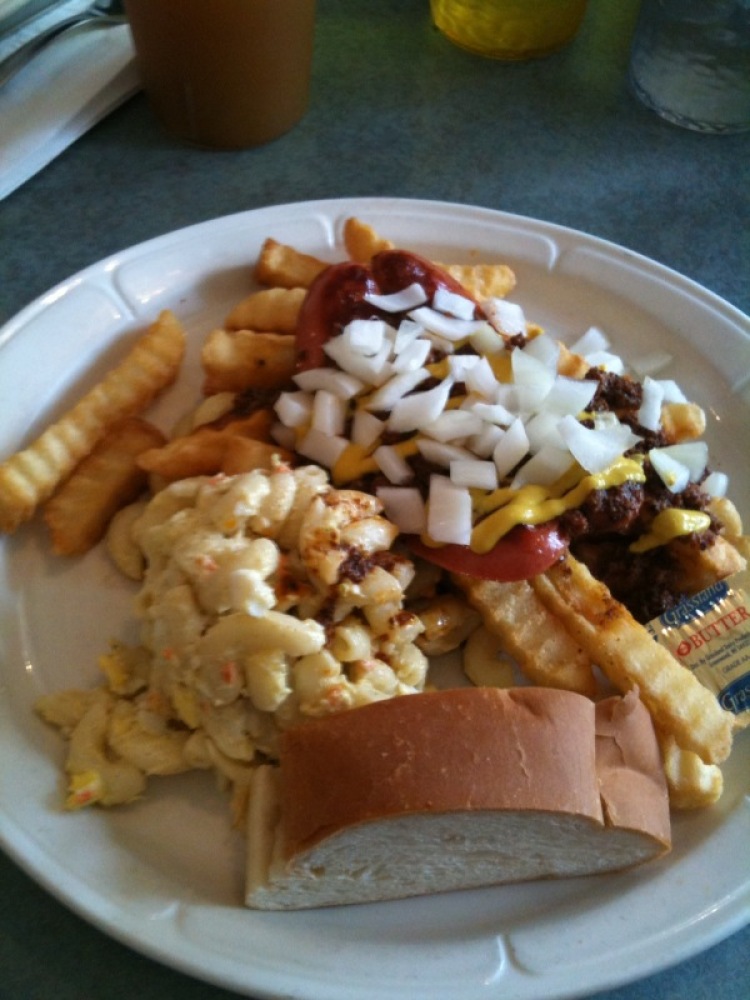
x: 61, y: 92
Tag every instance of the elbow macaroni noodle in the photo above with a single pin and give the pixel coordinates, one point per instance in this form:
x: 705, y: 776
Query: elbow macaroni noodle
x: 240, y: 572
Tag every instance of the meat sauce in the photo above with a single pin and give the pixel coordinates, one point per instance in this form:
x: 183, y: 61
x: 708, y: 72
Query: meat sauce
x: 601, y: 530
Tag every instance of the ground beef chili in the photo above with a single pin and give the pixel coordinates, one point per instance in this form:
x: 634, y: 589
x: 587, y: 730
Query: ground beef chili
x: 603, y: 527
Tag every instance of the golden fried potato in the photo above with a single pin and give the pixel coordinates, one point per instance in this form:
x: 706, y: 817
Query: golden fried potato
x: 245, y: 359
x: 682, y: 421
x: 534, y: 637
x: 30, y: 476
x: 483, y: 281
x: 273, y: 309
x: 362, y: 242
x: 703, y: 567
x: 448, y: 621
x: 108, y: 478
x: 243, y: 454
x: 286, y: 267
x: 571, y: 365
x: 679, y: 704
x: 691, y: 783
x: 237, y: 446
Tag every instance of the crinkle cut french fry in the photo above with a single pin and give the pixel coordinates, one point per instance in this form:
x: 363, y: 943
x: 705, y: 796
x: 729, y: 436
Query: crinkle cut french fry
x: 107, y: 479
x: 701, y: 568
x: 273, y: 309
x: 626, y: 653
x: 245, y: 359
x: 30, y: 476
x: 534, y: 637
x: 284, y: 266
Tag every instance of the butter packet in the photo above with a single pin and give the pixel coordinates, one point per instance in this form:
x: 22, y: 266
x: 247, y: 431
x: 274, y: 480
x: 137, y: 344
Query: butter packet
x: 709, y: 633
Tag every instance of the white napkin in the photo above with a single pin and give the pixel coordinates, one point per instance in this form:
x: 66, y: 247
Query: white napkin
x: 66, y: 88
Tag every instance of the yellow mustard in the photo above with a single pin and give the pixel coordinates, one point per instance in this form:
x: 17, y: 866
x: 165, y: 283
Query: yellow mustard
x: 669, y: 524
x: 356, y: 461
x: 534, y: 504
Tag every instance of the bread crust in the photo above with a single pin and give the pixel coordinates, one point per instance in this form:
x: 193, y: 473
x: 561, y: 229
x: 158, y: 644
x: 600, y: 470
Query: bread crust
x: 440, y: 751
x: 454, y: 789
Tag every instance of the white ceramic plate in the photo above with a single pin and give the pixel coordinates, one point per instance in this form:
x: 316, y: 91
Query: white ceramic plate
x: 166, y: 875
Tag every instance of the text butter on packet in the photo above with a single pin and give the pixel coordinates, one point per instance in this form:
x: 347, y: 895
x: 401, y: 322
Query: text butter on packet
x: 709, y: 634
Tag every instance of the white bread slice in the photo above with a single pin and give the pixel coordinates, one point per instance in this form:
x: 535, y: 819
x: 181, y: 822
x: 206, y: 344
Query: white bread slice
x: 451, y: 790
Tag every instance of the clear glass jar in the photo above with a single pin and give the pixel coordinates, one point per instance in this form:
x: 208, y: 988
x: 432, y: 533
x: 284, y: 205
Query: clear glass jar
x: 690, y: 62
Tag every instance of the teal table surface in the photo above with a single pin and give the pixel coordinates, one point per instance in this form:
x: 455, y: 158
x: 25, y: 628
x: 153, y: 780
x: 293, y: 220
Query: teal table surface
x: 395, y: 110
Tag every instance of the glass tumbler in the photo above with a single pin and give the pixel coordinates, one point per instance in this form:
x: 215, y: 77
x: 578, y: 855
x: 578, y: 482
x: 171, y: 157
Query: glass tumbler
x: 509, y: 29
x: 690, y: 62
x: 224, y: 74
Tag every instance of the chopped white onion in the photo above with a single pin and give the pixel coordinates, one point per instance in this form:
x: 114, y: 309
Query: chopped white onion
x: 446, y: 347
x: 542, y: 429
x: 420, y: 408
x: 448, y: 512
x: 460, y: 364
x: 412, y: 357
x: 440, y: 452
x: 404, y: 507
x: 715, y: 484
x: 481, y: 379
x: 649, y: 412
x: 447, y: 327
x: 338, y: 382
x: 407, y: 332
x: 544, y: 468
x: 366, y: 428
x: 365, y: 335
x: 487, y: 341
x: 507, y: 317
x: 595, y: 449
x: 593, y: 339
x: 322, y: 448
x: 570, y: 395
x: 328, y: 413
x: 544, y: 349
x: 491, y: 413
x: 512, y: 448
x: 529, y: 371
x: 453, y: 424
x: 393, y: 466
x: 409, y: 297
x: 692, y: 454
x: 508, y: 396
x: 294, y: 409
x: 371, y: 369
x: 531, y: 398
x: 474, y: 474
x: 391, y: 391
x: 606, y: 361
x: 483, y: 444
x: 453, y: 304
x: 672, y: 473
x: 605, y: 420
